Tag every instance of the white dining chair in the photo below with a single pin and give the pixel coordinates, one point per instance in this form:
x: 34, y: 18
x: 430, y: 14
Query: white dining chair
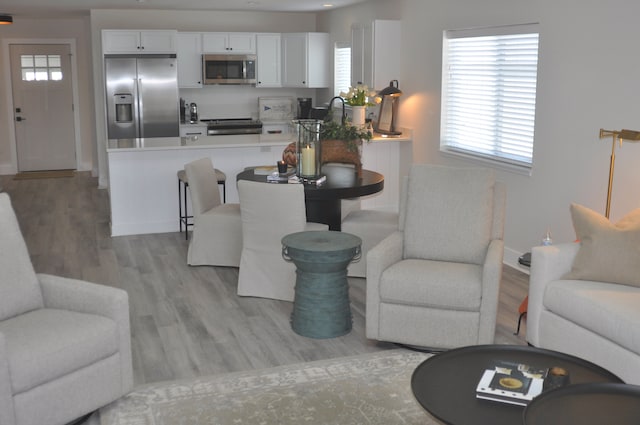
x: 269, y: 211
x: 372, y: 226
x: 217, y: 231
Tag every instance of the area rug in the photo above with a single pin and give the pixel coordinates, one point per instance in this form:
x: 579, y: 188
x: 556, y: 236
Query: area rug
x: 365, y: 389
x: 53, y: 174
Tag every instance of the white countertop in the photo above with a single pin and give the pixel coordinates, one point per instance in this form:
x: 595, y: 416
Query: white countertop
x: 197, y: 142
x: 234, y: 141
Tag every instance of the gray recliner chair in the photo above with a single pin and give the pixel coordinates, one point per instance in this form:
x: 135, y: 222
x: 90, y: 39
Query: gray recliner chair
x: 65, y: 344
x: 435, y: 282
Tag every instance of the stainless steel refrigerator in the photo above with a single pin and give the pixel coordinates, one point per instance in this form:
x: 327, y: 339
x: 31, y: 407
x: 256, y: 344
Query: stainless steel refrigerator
x: 142, y: 96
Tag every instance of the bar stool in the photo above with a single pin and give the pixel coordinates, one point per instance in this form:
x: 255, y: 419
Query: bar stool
x: 183, y: 184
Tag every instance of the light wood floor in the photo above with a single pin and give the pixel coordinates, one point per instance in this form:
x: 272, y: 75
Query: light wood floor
x: 186, y: 321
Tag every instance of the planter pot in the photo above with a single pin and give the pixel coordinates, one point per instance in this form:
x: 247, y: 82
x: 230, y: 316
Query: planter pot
x: 358, y: 117
x: 339, y: 151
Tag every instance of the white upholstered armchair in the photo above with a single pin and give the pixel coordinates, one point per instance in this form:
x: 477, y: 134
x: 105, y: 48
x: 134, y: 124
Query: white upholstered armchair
x: 434, y: 283
x: 65, y: 344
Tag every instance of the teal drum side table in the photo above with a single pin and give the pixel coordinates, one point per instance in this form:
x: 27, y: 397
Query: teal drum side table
x: 321, y: 303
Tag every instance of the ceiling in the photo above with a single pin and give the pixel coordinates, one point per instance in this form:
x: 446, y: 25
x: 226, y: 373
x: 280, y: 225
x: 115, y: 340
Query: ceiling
x: 48, y: 8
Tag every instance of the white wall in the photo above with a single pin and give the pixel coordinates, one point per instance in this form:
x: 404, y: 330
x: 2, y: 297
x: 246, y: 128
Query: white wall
x: 588, y: 79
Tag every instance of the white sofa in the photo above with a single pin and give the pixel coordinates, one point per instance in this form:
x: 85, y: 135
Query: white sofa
x: 65, y: 344
x: 597, y: 321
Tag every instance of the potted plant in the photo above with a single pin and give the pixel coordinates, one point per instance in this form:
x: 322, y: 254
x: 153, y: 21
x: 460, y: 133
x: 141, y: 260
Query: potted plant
x: 342, y: 142
x: 358, y: 98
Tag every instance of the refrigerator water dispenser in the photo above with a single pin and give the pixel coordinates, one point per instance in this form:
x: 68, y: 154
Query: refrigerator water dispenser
x: 124, y: 107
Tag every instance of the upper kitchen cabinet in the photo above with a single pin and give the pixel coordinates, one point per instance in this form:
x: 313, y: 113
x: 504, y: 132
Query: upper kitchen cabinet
x: 189, y: 59
x: 305, y: 60
x: 375, y: 53
x: 229, y: 42
x: 135, y: 41
x: 268, y: 61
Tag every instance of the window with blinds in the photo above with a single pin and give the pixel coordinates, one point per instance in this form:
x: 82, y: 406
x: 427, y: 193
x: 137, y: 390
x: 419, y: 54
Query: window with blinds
x: 342, y: 68
x: 489, y: 93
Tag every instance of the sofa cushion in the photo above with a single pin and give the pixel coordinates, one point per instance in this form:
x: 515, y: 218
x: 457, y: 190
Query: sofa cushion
x: 449, y: 213
x: 436, y: 284
x: 607, y: 309
x: 19, y: 287
x: 46, y: 344
x: 608, y: 252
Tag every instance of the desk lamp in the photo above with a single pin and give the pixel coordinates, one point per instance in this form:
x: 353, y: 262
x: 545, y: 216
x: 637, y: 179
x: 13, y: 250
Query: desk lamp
x: 616, y: 135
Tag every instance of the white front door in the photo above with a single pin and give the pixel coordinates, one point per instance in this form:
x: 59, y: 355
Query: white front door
x: 43, y: 106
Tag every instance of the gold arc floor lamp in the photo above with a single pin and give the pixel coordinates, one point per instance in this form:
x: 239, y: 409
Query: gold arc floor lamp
x: 616, y: 136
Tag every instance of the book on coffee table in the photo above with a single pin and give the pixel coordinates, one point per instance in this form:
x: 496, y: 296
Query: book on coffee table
x: 512, y: 383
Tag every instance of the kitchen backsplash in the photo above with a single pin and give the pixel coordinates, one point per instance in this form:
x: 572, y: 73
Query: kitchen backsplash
x: 236, y: 101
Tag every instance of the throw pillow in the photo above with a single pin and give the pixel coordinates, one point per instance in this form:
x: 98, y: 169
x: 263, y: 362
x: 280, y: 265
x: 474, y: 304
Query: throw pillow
x: 608, y: 252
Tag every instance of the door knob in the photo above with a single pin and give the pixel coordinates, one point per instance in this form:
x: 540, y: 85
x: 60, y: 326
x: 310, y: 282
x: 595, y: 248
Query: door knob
x: 20, y: 119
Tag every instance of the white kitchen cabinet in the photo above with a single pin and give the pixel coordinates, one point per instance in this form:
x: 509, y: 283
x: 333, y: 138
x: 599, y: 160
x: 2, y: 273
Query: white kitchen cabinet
x: 136, y: 41
x: 189, y: 51
x: 229, y: 42
x: 375, y: 53
x: 305, y: 60
x: 268, y: 47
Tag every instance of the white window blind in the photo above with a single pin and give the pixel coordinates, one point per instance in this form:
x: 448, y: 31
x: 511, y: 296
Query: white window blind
x: 342, y: 68
x: 489, y: 93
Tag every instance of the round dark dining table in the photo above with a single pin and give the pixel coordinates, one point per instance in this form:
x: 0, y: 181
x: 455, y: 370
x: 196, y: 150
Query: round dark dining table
x: 323, y: 202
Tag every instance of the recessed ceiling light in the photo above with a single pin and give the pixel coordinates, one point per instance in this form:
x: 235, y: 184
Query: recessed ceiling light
x: 327, y: 5
x: 253, y: 3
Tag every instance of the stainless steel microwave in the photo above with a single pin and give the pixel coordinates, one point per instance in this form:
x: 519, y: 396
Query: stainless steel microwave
x: 229, y: 69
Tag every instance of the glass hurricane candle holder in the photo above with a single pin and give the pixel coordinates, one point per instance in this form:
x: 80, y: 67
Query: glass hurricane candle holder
x: 308, y: 149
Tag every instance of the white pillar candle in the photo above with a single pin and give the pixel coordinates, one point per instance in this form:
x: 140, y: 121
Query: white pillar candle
x: 309, y: 161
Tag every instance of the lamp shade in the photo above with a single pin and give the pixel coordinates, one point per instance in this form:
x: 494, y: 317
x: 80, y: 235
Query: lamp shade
x: 6, y: 19
x: 391, y: 90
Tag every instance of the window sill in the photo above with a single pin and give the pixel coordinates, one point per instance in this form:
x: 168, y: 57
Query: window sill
x: 488, y: 162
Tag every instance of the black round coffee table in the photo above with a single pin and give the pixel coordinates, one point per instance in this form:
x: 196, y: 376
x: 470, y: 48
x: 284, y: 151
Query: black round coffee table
x: 445, y: 384
x: 586, y: 404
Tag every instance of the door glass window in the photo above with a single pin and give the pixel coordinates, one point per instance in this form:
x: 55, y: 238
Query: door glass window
x: 41, y: 67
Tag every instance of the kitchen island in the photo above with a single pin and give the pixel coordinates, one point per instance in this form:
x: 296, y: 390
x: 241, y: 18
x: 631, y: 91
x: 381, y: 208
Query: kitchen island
x: 143, y: 184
